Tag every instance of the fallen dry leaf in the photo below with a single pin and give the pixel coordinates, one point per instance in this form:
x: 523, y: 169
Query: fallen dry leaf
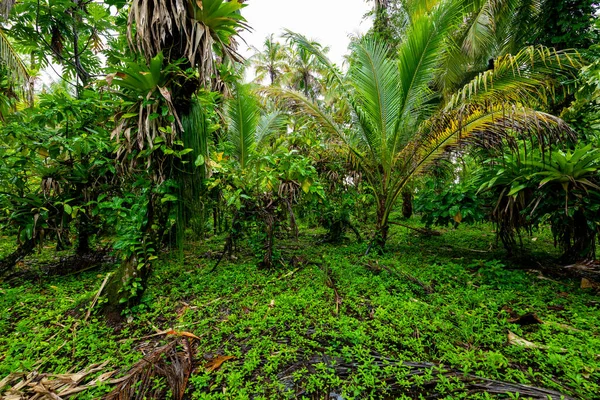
x: 216, y: 363
x: 586, y: 284
x: 179, y: 333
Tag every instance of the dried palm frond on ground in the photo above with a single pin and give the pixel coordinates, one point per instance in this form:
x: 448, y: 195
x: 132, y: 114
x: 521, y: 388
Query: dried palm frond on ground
x: 37, y: 386
x: 172, y: 362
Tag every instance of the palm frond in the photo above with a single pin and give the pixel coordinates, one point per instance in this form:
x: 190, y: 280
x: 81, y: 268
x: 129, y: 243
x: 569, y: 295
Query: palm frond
x: 268, y: 125
x: 376, y: 96
x: 305, y: 106
x: 520, y: 78
x: 315, y: 49
x: 243, y: 112
x: 418, y: 61
x: 9, y: 57
x: 481, y: 126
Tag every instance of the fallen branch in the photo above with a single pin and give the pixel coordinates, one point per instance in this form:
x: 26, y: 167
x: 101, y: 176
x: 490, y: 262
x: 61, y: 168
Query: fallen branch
x: 344, y: 369
x: 89, y: 312
x: 422, y: 231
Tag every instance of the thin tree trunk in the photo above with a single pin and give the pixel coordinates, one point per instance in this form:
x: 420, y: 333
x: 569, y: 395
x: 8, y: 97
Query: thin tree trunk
x: 407, y: 203
x: 382, y: 227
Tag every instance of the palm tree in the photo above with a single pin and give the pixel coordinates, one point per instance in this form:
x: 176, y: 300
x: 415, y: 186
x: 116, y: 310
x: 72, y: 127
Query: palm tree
x: 401, y: 124
x: 248, y: 130
x: 173, y: 36
x: 305, y: 71
x: 270, y: 61
x: 490, y: 29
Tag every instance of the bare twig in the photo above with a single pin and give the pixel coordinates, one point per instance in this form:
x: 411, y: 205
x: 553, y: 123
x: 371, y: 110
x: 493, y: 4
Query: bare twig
x: 89, y: 312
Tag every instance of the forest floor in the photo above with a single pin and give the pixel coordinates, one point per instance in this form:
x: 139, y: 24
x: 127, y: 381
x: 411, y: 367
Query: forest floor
x: 435, y: 317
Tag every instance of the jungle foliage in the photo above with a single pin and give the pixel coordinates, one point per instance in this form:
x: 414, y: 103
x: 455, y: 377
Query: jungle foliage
x: 149, y: 141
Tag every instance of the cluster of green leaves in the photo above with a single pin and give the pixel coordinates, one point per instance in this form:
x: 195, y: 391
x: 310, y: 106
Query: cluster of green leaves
x: 560, y: 187
x: 55, y: 162
x: 450, y: 204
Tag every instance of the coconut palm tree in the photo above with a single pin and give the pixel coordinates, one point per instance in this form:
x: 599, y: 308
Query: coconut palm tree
x: 401, y: 124
x: 271, y: 61
x: 305, y: 72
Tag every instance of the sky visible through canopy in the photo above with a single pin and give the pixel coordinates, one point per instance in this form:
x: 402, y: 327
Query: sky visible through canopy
x: 329, y: 22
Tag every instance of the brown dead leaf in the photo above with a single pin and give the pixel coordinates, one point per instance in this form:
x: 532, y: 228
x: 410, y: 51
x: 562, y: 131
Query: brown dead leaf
x: 586, y: 284
x: 216, y: 363
x: 458, y: 217
x: 180, y: 333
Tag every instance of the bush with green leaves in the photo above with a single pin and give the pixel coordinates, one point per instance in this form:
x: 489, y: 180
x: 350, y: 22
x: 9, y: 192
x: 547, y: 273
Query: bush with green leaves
x: 56, y: 161
x: 451, y: 204
x: 561, y: 187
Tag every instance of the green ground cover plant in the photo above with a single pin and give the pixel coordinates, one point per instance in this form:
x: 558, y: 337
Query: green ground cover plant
x: 443, y: 299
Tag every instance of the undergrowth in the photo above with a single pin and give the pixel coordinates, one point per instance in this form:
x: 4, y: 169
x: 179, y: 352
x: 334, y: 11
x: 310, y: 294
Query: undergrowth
x: 329, y: 301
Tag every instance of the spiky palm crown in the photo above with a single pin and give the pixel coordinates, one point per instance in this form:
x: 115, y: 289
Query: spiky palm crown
x: 401, y: 123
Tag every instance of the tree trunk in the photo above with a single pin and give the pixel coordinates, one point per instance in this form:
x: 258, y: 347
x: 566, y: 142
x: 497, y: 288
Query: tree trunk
x: 83, y: 235
x: 122, y: 290
x: 382, y: 228
x: 407, y: 203
x: 127, y: 285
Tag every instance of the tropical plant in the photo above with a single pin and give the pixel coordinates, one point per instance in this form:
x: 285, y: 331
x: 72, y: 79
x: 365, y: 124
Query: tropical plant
x: 561, y: 187
x: 12, y: 68
x: 185, y: 46
x: 15, y: 67
x: 305, y: 72
x: 569, y: 24
x: 452, y: 204
x: 63, y: 149
x: 195, y: 30
x: 400, y: 125
x: 262, y: 179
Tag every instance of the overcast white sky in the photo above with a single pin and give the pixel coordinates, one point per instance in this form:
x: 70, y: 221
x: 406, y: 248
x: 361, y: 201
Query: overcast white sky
x: 329, y: 22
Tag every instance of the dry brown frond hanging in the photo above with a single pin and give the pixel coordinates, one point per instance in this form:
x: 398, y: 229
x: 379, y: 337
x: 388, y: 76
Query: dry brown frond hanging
x: 56, y: 42
x: 186, y: 28
x: 6, y: 6
x: 172, y: 362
